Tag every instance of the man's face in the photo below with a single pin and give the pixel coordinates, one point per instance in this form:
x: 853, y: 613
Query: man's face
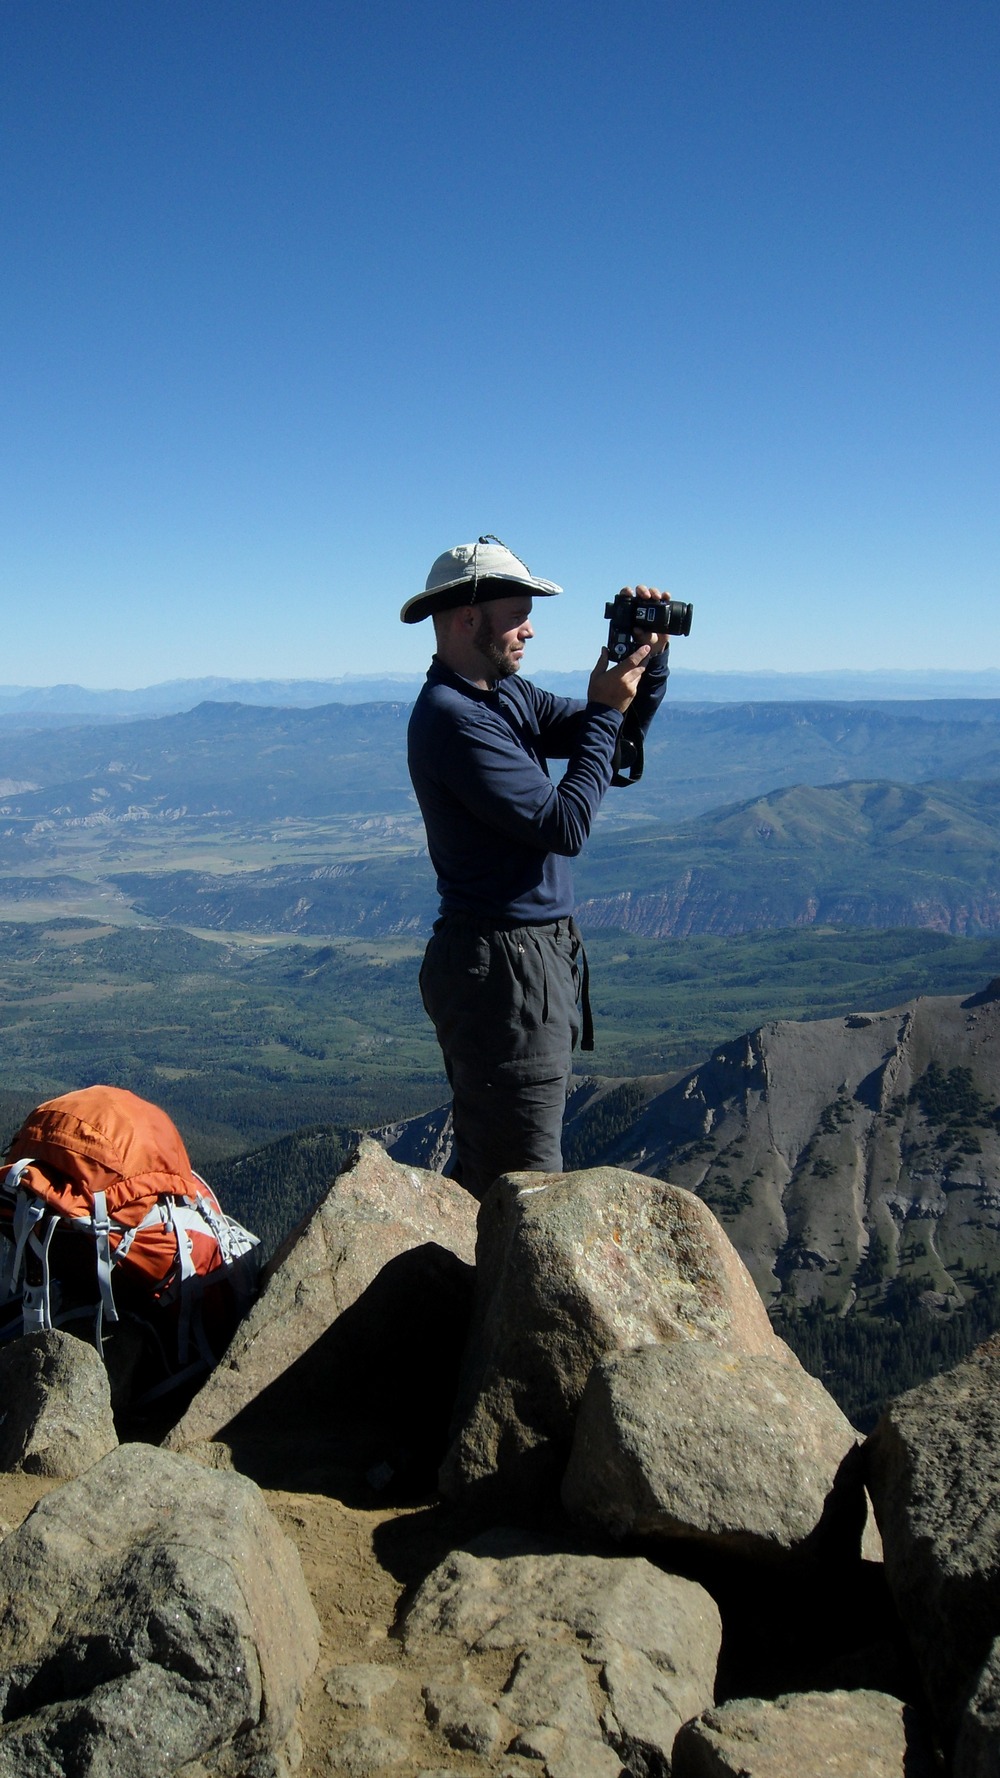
x: 502, y: 631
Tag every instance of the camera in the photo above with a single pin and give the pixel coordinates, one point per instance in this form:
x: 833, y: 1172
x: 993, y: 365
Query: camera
x: 632, y: 620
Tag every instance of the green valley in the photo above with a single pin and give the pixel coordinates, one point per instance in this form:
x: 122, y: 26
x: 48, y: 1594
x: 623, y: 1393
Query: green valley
x: 245, y: 1040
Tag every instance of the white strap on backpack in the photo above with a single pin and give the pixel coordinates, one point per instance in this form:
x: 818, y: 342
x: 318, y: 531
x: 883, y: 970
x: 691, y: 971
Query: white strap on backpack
x: 28, y: 1213
x: 100, y: 1222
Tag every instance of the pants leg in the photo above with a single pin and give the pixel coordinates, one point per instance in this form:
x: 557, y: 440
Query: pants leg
x: 506, y: 1127
x: 505, y: 1007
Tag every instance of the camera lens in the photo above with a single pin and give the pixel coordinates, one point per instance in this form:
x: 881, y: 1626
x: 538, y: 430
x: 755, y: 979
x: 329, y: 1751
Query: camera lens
x: 679, y: 618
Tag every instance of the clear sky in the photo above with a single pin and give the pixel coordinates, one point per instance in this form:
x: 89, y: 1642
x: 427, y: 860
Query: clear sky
x: 297, y: 293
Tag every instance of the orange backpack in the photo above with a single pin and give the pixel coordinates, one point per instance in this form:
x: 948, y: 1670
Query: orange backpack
x: 107, y: 1166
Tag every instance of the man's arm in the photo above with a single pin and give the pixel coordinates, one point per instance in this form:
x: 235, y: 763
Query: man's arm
x: 503, y: 785
x: 484, y: 767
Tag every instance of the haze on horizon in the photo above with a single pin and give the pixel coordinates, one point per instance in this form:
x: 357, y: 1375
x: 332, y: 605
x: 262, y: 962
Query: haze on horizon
x: 295, y: 298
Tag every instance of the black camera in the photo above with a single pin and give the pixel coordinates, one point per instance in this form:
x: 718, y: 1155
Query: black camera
x: 632, y: 620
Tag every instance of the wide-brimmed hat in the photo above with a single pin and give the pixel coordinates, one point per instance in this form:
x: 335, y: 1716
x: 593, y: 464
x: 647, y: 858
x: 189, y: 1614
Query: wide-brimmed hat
x: 471, y: 574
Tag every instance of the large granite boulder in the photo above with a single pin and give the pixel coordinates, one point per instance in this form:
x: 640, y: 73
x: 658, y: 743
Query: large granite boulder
x: 154, y: 1616
x: 933, y: 1465
x: 374, y: 1285
x: 650, y: 1640
x: 57, y: 1417
x: 858, y: 1734
x: 735, y: 1451
x: 570, y: 1268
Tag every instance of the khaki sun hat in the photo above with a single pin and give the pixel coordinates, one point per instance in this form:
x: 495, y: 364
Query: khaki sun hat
x: 470, y: 574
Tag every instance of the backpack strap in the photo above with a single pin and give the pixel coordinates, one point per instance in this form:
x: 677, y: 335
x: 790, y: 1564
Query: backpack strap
x: 36, y: 1299
x: 152, y: 1216
x: 100, y: 1222
x: 28, y: 1213
x: 13, y: 1174
x: 189, y: 1321
x: 233, y: 1239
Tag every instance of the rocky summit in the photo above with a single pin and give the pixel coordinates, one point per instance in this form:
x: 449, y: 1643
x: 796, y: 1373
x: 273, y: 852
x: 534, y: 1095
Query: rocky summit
x: 528, y: 1489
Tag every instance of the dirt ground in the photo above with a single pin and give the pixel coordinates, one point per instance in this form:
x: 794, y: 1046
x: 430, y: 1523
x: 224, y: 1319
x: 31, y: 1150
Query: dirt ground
x: 357, y: 1565
x: 358, y: 1562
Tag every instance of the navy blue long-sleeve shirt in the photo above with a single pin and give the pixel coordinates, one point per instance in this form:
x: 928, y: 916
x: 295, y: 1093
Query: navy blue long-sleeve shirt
x: 499, y: 832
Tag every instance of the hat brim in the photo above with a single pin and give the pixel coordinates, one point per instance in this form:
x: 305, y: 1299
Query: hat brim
x: 466, y: 591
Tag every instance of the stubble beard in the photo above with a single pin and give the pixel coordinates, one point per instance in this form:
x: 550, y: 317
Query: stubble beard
x: 492, y: 649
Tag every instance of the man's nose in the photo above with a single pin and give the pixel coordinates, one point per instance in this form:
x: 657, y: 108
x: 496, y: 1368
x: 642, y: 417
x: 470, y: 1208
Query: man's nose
x: 526, y: 632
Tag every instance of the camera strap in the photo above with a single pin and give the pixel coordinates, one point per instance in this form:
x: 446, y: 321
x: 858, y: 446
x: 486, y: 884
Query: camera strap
x: 629, y: 756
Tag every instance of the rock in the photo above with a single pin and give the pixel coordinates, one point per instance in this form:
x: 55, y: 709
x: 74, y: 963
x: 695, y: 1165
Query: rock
x: 371, y: 1295
x: 571, y: 1268
x: 357, y: 1686
x: 464, y: 1718
x: 155, y: 1615
x: 568, y: 1756
x: 844, y: 1734
x: 57, y: 1401
x: 549, y: 1689
x: 652, y: 1638
x: 735, y: 1451
x: 363, y: 1752
x: 934, y: 1475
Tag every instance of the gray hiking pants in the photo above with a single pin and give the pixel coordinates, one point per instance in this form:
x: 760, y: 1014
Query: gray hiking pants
x: 506, y: 1006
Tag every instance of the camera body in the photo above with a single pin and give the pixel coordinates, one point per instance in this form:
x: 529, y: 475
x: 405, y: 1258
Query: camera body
x: 633, y: 619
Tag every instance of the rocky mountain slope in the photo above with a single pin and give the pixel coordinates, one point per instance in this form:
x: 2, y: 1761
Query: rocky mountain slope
x: 841, y: 1154
x: 858, y: 854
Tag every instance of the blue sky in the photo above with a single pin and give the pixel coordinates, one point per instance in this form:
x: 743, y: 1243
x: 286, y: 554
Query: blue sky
x: 296, y: 295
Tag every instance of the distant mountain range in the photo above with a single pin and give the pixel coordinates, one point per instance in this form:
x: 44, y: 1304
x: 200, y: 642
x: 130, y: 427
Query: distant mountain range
x: 749, y: 817
x: 38, y: 706
x: 248, y: 763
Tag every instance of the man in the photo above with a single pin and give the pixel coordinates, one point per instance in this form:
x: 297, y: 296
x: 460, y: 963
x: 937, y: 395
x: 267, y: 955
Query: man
x: 504, y: 973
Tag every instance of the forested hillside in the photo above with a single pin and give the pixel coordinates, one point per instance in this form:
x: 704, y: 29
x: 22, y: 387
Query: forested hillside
x: 246, y: 1042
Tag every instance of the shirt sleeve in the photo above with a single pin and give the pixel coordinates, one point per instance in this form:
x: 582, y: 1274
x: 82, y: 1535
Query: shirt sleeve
x: 487, y: 769
x: 649, y: 694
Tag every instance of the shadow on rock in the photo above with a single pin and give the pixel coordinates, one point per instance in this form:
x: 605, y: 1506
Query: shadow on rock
x: 363, y: 1413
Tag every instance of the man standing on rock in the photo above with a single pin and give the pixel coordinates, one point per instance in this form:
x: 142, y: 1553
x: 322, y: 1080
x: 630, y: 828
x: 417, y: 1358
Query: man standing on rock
x: 504, y: 975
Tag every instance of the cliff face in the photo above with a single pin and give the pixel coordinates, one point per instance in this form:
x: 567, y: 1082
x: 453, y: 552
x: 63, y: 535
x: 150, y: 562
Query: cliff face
x: 839, y: 1153
x: 698, y: 903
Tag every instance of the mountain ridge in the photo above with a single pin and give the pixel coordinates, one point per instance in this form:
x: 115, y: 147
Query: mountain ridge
x: 175, y: 695
x: 260, y: 761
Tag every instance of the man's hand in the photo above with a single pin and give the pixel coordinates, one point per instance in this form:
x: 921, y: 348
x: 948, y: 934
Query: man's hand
x: 649, y: 595
x: 616, y: 685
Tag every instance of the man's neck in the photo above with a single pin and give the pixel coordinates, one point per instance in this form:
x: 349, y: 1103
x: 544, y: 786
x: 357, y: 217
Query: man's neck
x: 469, y: 664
